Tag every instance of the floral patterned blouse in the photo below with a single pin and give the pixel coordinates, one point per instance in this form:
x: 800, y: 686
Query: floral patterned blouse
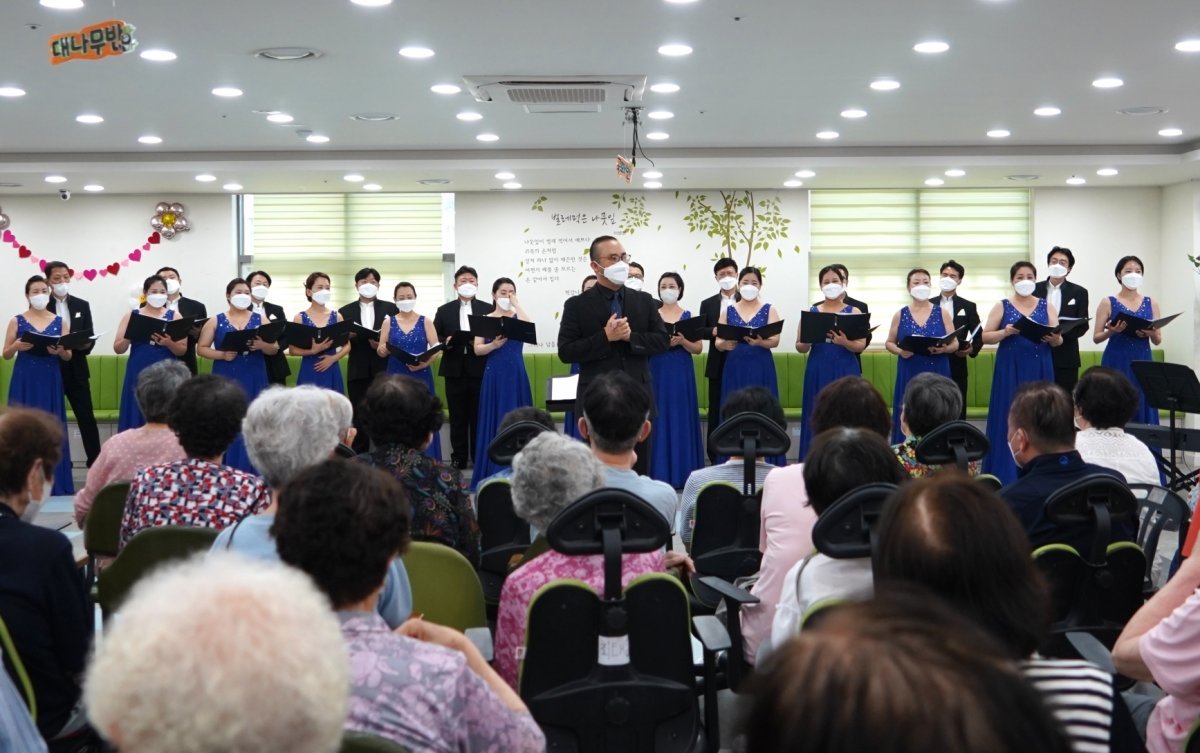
x: 906, y: 453
x: 437, y: 497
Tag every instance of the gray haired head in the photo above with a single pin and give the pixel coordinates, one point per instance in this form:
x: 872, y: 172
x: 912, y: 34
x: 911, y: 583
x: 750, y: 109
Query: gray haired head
x: 550, y: 473
x: 930, y: 400
x: 156, y: 387
x: 288, y: 430
x: 343, y: 413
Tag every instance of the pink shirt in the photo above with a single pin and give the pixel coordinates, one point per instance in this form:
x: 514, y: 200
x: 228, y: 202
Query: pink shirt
x: 1170, y: 652
x: 120, y: 459
x: 784, y: 539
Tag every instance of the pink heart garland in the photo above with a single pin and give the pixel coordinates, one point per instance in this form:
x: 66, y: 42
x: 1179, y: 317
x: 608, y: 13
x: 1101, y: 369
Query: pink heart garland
x: 90, y: 274
x: 136, y: 255
x: 124, y: 262
x: 104, y: 273
x: 16, y: 243
x: 78, y: 275
x: 8, y: 237
x: 145, y: 246
x: 40, y: 262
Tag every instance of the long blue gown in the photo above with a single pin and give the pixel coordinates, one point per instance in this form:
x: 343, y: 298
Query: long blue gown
x: 505, y: 387
x: 414, y: 342
x: 331, y: 378
x: 1123, y: 348
x: 141, y: 355
x: 37, y: 383
x: 826, y: 363
x: 676, y: 444
x: 570, y: 421
x: 1018, y: 360
x: 249, y: 371
x: 749, y: 365
x: 907, y: 368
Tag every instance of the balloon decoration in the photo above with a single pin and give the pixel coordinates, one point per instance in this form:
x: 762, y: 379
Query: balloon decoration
x: 168, y: 219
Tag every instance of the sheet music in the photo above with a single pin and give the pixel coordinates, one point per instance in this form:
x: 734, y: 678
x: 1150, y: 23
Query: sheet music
x: 564, y: 387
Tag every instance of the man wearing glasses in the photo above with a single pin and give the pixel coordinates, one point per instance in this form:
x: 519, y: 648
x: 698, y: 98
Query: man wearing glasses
x: 611, y: 327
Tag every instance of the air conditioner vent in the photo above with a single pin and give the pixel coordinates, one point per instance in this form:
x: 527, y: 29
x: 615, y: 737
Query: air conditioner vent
x: 573, y: 91
x: 548, y: 95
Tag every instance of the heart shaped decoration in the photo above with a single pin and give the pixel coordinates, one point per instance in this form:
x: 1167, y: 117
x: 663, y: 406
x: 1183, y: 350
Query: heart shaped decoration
x: 136, y: 255
x: 40, y: 262
x: 24, y: 253
x: 124, y: 262
x: 77, y: 276
x: 114, y: 268
x: 7, y: 237
x: 104, y: 273
x: 145, y: 246
x: 15, y: 244
x: 90, y: 274
x: 154, y: 238
x: 72, y: 273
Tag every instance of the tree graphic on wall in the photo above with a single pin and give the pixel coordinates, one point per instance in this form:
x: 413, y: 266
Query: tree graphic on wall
x: 739, y: 222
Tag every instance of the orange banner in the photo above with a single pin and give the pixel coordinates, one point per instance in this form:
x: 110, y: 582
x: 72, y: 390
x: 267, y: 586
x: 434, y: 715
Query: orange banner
x: 92, y: 43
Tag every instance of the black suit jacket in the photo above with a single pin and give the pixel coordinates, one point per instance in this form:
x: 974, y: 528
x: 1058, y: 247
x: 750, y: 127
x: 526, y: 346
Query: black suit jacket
x: 189, y: 307
x: 277, y: 365
x: 710, y: 311
x: 365, y: 361
x: 79, y: 318
x: 581, y: 337
x: 966, y: 314
x: 1074, y: 304
x: 459, y: 359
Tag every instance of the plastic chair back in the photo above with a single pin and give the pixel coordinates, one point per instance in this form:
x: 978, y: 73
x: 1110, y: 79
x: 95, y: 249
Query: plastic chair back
x: 725, y: 537
x: 955, y: 443
x: 1097, y: 499
x: 505, y: 446
x: 1159, y: 510
x: 102, y: 528
x: 146, y: 551
x: 847, y: 529
x: 445, y: 588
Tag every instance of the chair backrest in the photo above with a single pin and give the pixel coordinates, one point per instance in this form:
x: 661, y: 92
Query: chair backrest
x: 725, y: 537
x: 1159, y: 510
x: 102, y: 529
x: 503, y: 534
x: 957, y: 443
x: 445, y: 587
x: 505, y: 446
x: 1093, y: 597
x: 356, y: 742
x: 749, y: 436
x: 990, y: 481
x: 1097, y: 499
x: 846, y: 530
x: 10, y: 651
x: 146, y: 551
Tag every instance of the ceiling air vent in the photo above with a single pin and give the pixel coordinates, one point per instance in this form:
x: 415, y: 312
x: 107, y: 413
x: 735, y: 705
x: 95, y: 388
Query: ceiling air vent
x: 558, y: 94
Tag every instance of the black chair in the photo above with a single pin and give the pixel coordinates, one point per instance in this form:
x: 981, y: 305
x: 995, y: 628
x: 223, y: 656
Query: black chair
x: 958, y: 443
x: 614, y: 671
x: 1159, y: 510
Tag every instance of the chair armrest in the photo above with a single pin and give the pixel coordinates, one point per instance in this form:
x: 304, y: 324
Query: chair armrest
x: 1091, y: 649
x: 482, y: 638
x: 711, y: 632
x: 728, y: 591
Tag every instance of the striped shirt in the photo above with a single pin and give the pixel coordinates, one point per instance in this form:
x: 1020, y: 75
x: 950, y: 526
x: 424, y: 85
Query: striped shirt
x: 1080, y: 696
x: 17, y: 731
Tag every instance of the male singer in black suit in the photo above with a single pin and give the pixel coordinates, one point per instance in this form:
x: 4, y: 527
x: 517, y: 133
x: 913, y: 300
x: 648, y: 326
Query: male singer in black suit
x: 365, y: 361
x: 612, y: 328
x: 965, y: 314
x: 277, y: 365
x: 461, y: 369
x: 183, y: 307
x: 76, y: 377
x: 1071, y: 301
x: 725, y: 271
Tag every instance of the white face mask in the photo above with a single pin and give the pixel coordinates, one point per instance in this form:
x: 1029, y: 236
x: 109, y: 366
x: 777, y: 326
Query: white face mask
x: 634, y: 283
x: 1133, y: 280
x: 505, y: 304
x: 832, y: 291
x: 157, y: 300
x: 947, y: 284
x: 406, y: 306
x: 467, y: 290
x: 61, y: 289
x: 921, y: 292
x: 35, y: 505
x: 39, y: 301
x: 172, y: 287
x: 669, y: 296
x: 240, y: 301
x: 749, y: 292
x: 322, y: 296
x: 727, y: 283
x: 1057, y: 270
x: 260, y: 292
x: 617, y: 273
x: 1024, y: 287
x: 1013, y: 452
x: 367, y: 290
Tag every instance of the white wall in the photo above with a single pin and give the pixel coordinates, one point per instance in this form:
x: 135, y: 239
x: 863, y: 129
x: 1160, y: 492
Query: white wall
x: 1181, y: 237
x: 94, y: 231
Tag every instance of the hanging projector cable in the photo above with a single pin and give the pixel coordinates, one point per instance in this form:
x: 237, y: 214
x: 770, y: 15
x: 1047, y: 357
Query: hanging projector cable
x: 625, y: 167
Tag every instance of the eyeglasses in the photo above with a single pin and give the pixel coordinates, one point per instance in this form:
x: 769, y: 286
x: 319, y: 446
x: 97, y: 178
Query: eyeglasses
x: 614, y: 258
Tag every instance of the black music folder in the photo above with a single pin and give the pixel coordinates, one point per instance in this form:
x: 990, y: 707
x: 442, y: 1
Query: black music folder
x: 733, y: 332
x: 142, y: 328
x: 503, y: 326
x: 1072, y: 326
x: 1137, y: 323
x: 69, y: 341
x: 357, y: 330
x: 409, y: 359
x: 689, y: 329
x: 815, y: 326
x: 238, y: 341
x: 920, y: 345
x: 1032, y: 330
x: 303, y: 336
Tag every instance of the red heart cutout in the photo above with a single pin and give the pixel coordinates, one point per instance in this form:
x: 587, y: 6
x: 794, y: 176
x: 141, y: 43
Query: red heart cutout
x: 145, y: 246
x: 70, y: 271
x: 154, y: 238
x: 104, y: 273
x: 24, y: 253
x: 15, y: 244
x: 114, y: 268
x: 136, y: 255
x: 42, y: 264
x: 7, y: 237
x: 90, y: 274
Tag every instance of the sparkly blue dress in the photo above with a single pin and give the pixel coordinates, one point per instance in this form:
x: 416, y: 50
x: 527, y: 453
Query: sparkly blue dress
x: 249, y: 371
x: 414, y: 342
x: 907, y: 368
x: 1018, y: 360
x: 37, y: 383
x: 749, y: 365
x: 676, y: 444
x: 141, y: 355
x: 1123, y: 348
x: 826, y: 363
x: 505, y: 387
x: 330, y: 379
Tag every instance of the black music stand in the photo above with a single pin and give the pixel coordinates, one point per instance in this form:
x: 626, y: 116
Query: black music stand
x: 1171, y: 387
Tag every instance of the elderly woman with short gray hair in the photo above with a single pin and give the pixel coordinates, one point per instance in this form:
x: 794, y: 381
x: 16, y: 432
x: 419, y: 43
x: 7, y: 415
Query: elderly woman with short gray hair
x: 124, y: 454
x: 930, y: 400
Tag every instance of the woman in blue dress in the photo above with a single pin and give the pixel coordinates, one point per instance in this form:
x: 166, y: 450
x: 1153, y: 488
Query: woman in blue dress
x: 1124, y: 345
x: 921, y: 318
x: 414, y: 334
x: 319, y: 363
x: 248, y: 369
x: 37, y: 379
x: 831, y: 360
x: 505, y: 383
x: 1018, y: 360
x: 676, y: 444
x: 570, y: 424
x: 141, y: 355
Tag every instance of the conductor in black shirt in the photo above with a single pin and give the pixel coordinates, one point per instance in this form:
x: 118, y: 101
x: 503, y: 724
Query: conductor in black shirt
x: 725, y: 271
x: 461, y: 369
x: 965, y: 314
x: 1070, y: 301
x: 365, y: 361
x: 183, y: 307
x: 612, y: 328
x: 76, y: 376
x: 260, y: 285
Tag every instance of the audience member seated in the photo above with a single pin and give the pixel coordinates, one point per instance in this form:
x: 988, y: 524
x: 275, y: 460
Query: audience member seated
x: 424, y: 686
x: 206, y: 415
x: 959, y: 540
x: 1105, y: 400
x: 343, y: 410
x: 1161, y: 644
x: 42, y: 599
x: 17, y: 730
x: 524, y: 414
x: 1041, y: 437
x: 124, y: 454
x: 747, y: 400
x: 903, y: 674
x: 839, y: 461
x: 401, y: 416
x: 286, y: 431
x: 616, y: 417
x: 930, y: 400
x: 221, y: 656
x: 787, y: 518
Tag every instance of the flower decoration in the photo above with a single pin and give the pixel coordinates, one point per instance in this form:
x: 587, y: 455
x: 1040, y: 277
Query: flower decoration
x: 168, y: 219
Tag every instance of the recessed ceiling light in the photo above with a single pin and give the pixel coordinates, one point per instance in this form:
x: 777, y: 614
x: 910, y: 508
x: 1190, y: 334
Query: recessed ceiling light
x: 1107, y: 172
x: 1143, y: 110
x: 999, y: 133
x: 469, y: 116
x: 652, y: 175
x: 158, y: 56
x: 934, y: 182
x: 853, y: 113
x: 374, y: 117
x: 1022, y: 177
x: 793, y: 183
x: 1108, y: 83
x: 372, y: 3
x: 11, y: 91
x: 149, y: 140
x: 206, y: 178
x: 674, y: 50
x: 658, y: 135
x: 56, y: 179
x: 89, y: 119
x: 227, y: 91
x: 416, y: 53
x: 827, y: 135
x: 664, y: 88
x: 652, y: 184
x: 505, y: 175
x: 61, y: 4
x: 1049, y: 111
x: 1075, y: 180
x: 232, y: 186
x: 316, y: 138
x: 372, y: 187
x: 805, y: 174
x: 1170, y: 132
x: 489, y: 137
x: 445, y: 89
x: 511, y: 185
x: 954, y: 172
x: 352, y: 178
x: 1188, y: 45
x: 280, y: 117
x: 661, y: 115
x: 287, y: 54
x: 885, y: 85
x: 93, y: 187
x: 930, y: 48
x: 434, y: 182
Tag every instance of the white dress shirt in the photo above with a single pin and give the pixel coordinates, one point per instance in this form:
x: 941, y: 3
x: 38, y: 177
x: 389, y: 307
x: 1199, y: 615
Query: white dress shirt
x: 948, y: 305
x: 173, y: 305
x: 1054, y: 295
x: 367, y: 314
x: 464, y: 315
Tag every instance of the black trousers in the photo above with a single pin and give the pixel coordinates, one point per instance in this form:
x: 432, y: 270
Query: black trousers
x: 714, y: 414
x: 961, y: 381
x: 462, y: 402
x: 1067, y: 377
x: 356, y: 389
x: 80, y: 397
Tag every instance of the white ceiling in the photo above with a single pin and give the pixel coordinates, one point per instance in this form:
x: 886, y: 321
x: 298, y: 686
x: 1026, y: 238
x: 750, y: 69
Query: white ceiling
x: 764, y: 77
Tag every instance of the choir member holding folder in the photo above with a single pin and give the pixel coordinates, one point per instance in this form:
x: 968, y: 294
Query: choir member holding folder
x: 833, y: 333
x: 676, y: 445
x: 921, y: 335
x: 318, y: 339
x: 1026, y: 328
x: 1071, y: 303
x: 151, y: 333
x: 965, y: 316
x: 501, y: 337
x: 410, y: 344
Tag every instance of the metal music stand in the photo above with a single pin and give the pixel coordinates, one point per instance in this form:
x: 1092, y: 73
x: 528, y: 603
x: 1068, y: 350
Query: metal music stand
x: 1171, y: 387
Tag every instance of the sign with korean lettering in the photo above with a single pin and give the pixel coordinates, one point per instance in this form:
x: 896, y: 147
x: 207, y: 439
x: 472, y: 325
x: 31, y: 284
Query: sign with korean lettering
x: 93, y: 42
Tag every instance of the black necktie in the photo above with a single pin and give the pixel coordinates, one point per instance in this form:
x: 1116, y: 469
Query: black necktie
x: 618, y: 307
